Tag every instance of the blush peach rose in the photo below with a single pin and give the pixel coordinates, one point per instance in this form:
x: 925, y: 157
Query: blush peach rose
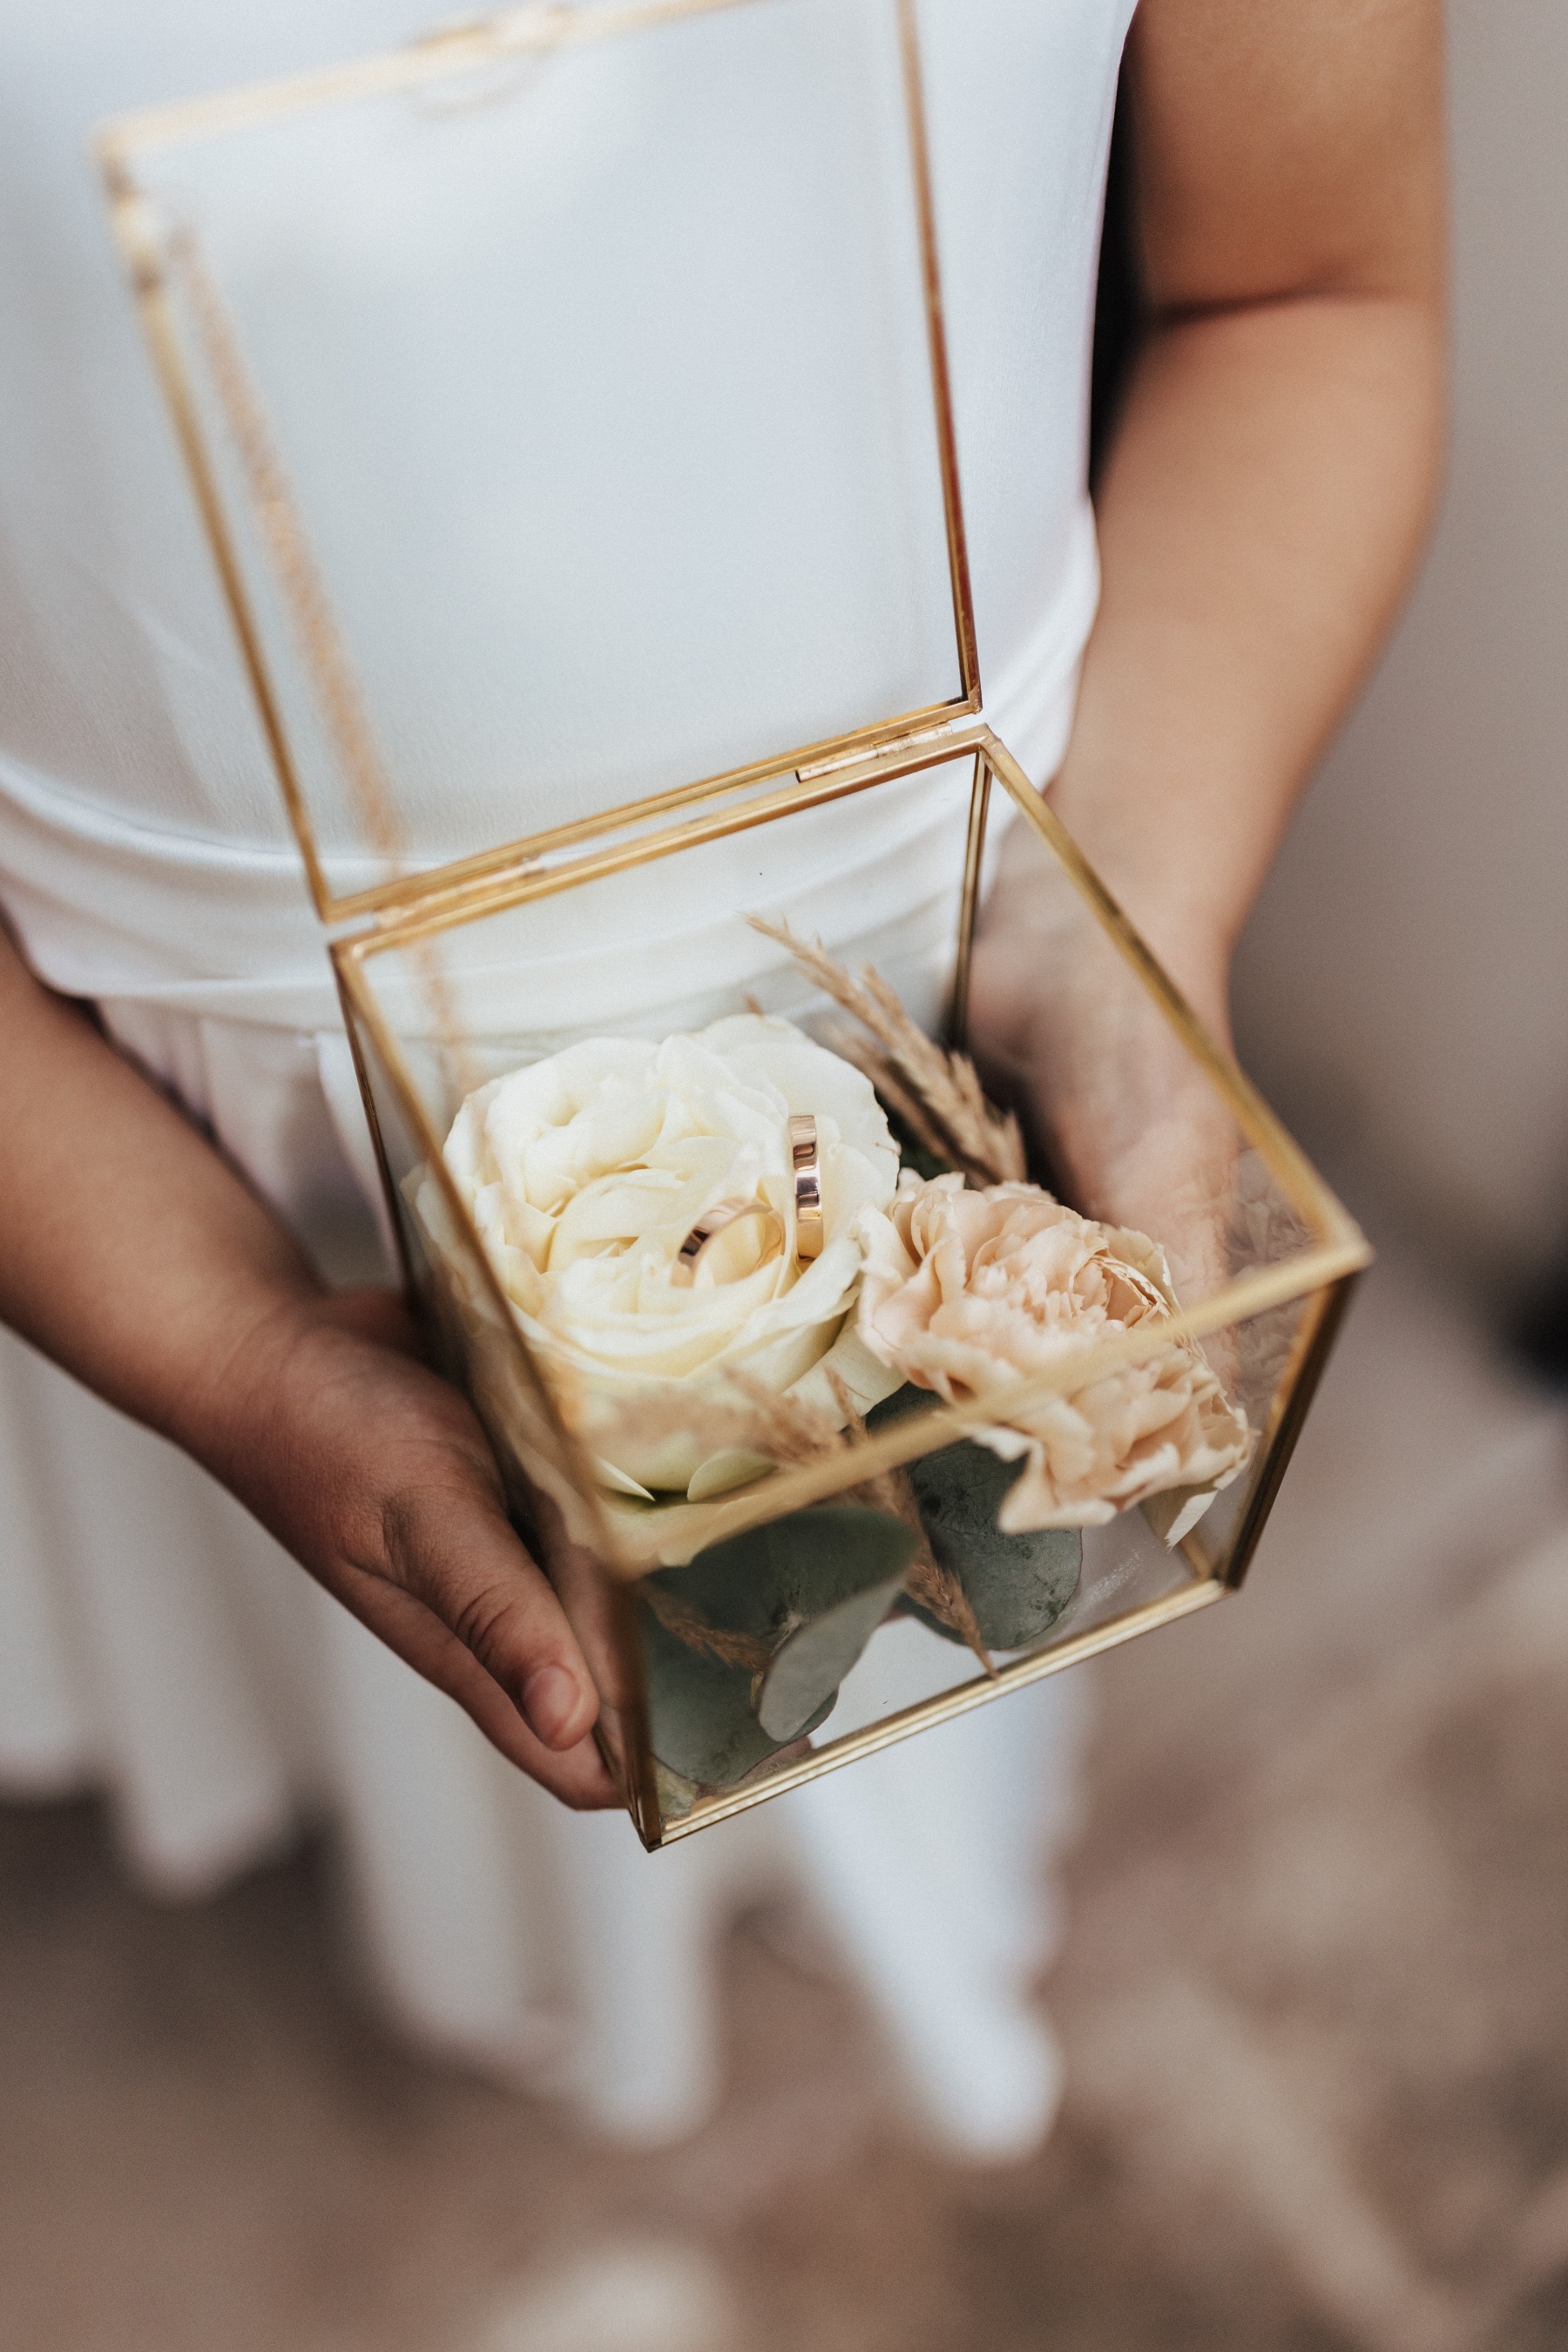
x: 967, y: 1293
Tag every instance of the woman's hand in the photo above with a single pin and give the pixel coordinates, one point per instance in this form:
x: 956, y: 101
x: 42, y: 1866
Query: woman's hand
x: 136, y: 1257
x: 377, y: 1476
x: 1262, y: 503
x: 1128, y: 1123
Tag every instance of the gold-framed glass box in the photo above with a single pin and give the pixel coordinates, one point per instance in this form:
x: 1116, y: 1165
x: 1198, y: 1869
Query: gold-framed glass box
x: 596, y: 601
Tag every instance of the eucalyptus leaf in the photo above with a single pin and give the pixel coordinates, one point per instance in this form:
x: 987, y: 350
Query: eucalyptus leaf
x: 819, y: 1582
x: 701, y: 1722
x: 792, y: 1570
x: 816, y: 1658
x: 1018, y: 1586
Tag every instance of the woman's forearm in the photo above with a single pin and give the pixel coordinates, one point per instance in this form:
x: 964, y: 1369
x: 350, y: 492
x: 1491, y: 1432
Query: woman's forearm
x: 137, y: 1258
x: 133, y: 1255
x: 1264, y: 503
x: 1276, y: 459
x: 1266, y: 495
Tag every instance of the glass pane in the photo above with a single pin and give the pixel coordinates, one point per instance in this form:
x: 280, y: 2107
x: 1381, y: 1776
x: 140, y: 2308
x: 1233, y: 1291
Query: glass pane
x: 811, y: 1542
x: 666, y: 945
x: 1033, y: 1597
x: 572, y: 414
x: 476, y: 1347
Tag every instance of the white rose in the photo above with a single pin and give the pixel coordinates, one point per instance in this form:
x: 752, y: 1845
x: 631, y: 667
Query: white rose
x: 586, y: 1172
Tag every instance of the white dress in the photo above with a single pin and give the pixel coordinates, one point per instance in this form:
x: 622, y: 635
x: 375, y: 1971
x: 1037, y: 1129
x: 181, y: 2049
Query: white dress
x: 156, y: 1643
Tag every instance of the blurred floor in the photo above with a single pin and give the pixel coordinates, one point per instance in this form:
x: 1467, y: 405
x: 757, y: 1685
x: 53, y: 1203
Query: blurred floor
x: 1314, y: 1996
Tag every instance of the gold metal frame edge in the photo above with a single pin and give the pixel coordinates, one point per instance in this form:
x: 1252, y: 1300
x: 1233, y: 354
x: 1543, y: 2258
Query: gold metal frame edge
x: 1300, y: 1385
x: 948, y: 1705
x: 446, y: 49
x: 120, y: 140
x: 1339, y: 1251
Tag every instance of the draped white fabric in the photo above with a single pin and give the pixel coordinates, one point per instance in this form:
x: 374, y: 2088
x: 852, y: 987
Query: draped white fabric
x: 159, y: 1645
x: 154, y: 1643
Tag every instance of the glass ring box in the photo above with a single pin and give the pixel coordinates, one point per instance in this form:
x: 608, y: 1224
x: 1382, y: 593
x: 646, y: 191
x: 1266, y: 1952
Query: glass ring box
x: 566, y: 402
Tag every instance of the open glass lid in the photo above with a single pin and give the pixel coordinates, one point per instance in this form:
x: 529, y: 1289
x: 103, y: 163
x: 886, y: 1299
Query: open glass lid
x: 565, y: 398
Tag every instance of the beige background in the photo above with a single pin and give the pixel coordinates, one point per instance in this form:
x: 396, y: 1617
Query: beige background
x: 1404, y: 989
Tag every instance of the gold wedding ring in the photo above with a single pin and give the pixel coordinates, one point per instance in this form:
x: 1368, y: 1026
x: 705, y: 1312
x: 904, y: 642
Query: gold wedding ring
x: 807, y: 1187
x: 707, y: 1228
x: 807, y: 1177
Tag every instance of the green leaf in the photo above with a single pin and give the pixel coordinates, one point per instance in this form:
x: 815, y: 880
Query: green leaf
x: 791, y: 1569
x: 701, y: 1721
x: 831, y: 1574
x: 816, y: 1658
x: 1018, y: 1586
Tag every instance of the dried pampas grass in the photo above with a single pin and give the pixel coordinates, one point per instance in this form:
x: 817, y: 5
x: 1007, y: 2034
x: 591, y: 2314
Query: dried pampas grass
x: 688, y: 1625
x: 936, y: 1095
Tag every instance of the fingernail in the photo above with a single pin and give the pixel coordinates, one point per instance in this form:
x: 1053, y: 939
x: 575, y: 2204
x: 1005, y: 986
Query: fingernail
x: 550, y: 1700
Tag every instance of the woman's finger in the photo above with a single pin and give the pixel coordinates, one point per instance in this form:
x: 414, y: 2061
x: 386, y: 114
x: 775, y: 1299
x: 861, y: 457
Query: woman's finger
x: 377, y: 1476
x: 451, y: 1546
x: 576, y: 1774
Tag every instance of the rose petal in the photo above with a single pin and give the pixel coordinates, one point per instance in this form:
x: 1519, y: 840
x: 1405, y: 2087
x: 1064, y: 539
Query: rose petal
x: 586, y: 1170
x: 967, y: 1293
